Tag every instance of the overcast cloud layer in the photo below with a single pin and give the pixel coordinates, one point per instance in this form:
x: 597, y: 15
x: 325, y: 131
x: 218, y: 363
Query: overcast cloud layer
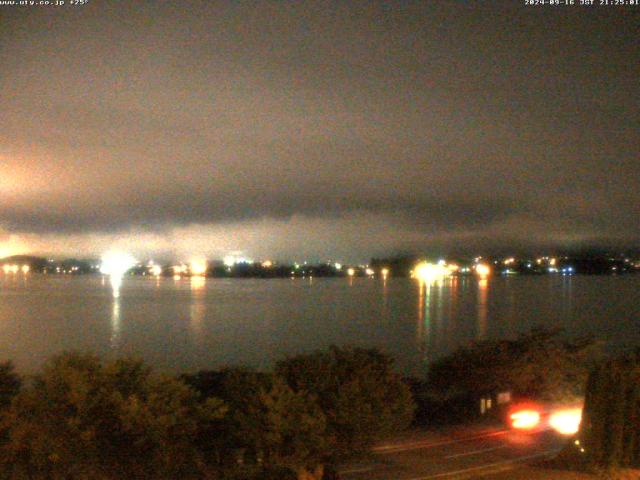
x: 317, y: 129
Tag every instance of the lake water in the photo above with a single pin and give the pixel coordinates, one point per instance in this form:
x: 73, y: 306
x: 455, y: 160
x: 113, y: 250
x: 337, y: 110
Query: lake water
x: 189, y: 324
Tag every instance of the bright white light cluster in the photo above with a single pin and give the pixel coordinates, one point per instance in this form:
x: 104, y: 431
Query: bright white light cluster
x: 198, y: 267
x: 231, y: 260
x: 426, y: 271
x: 15, y: 268
x: 116, y: 263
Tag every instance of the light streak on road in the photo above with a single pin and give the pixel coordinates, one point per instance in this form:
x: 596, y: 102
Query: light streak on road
x: 419, y: 445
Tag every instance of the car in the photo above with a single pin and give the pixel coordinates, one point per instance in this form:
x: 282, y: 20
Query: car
x: 562, y: 418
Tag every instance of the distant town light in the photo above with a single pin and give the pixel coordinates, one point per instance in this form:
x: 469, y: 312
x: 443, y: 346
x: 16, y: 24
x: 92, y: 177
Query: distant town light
x: 427, y: 272
x: 178, y: 269
x: 384, y: 272
x: 198, y: 267
x: 155, y: 270
x: 351, y: 272
x: 231, y: 260
x: 25, y: 269
x: 116, y: 263
x: 267, y: 264
x: 483, y: 269
x: 369, y: 272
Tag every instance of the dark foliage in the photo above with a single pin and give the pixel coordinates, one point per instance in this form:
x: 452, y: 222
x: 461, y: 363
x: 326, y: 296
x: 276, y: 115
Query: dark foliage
x: 82, y: 418
x: 539, y: 365
x: 10, y: 383
x: 358, y: 391
x: 610, y: 431
x: 270, y: 428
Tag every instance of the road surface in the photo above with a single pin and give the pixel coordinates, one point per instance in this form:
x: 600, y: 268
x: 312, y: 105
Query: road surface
x: 457, y: 454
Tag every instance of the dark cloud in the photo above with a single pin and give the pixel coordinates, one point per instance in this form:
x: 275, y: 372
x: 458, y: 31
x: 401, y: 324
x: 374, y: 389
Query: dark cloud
x: 446, y: 124
x: 149, y: 210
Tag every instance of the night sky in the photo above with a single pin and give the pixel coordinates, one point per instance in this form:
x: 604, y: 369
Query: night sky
x: 317, y: 130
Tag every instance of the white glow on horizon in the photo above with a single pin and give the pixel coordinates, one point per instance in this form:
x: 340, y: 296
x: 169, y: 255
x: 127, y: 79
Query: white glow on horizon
x: 116, y: 263
x: 231, y: 260
x: 483, y: 270
x: 427, y: 272
x: 178, y: 269
x: 198, y: 267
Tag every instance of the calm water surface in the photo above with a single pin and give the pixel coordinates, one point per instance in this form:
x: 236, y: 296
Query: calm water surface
x: 190, y: 324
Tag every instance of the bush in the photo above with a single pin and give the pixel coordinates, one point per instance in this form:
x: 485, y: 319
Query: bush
x: 269, y: 426
x: 538, y: 365
x: 361, y: 396
x: 82, y: 418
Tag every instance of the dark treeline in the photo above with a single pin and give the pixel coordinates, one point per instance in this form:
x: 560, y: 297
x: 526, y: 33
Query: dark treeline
x: 84, y: 418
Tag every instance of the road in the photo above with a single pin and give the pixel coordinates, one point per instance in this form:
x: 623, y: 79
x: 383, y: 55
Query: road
x: 456, y: 454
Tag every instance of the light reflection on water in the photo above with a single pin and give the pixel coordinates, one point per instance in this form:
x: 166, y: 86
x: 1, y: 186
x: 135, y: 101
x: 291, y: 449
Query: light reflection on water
x: 198, y: 308
x: 115, y: 323
x: 436, y: 315
x: 483, y: 287
x: 191, y: 323
x: 116, y: 283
